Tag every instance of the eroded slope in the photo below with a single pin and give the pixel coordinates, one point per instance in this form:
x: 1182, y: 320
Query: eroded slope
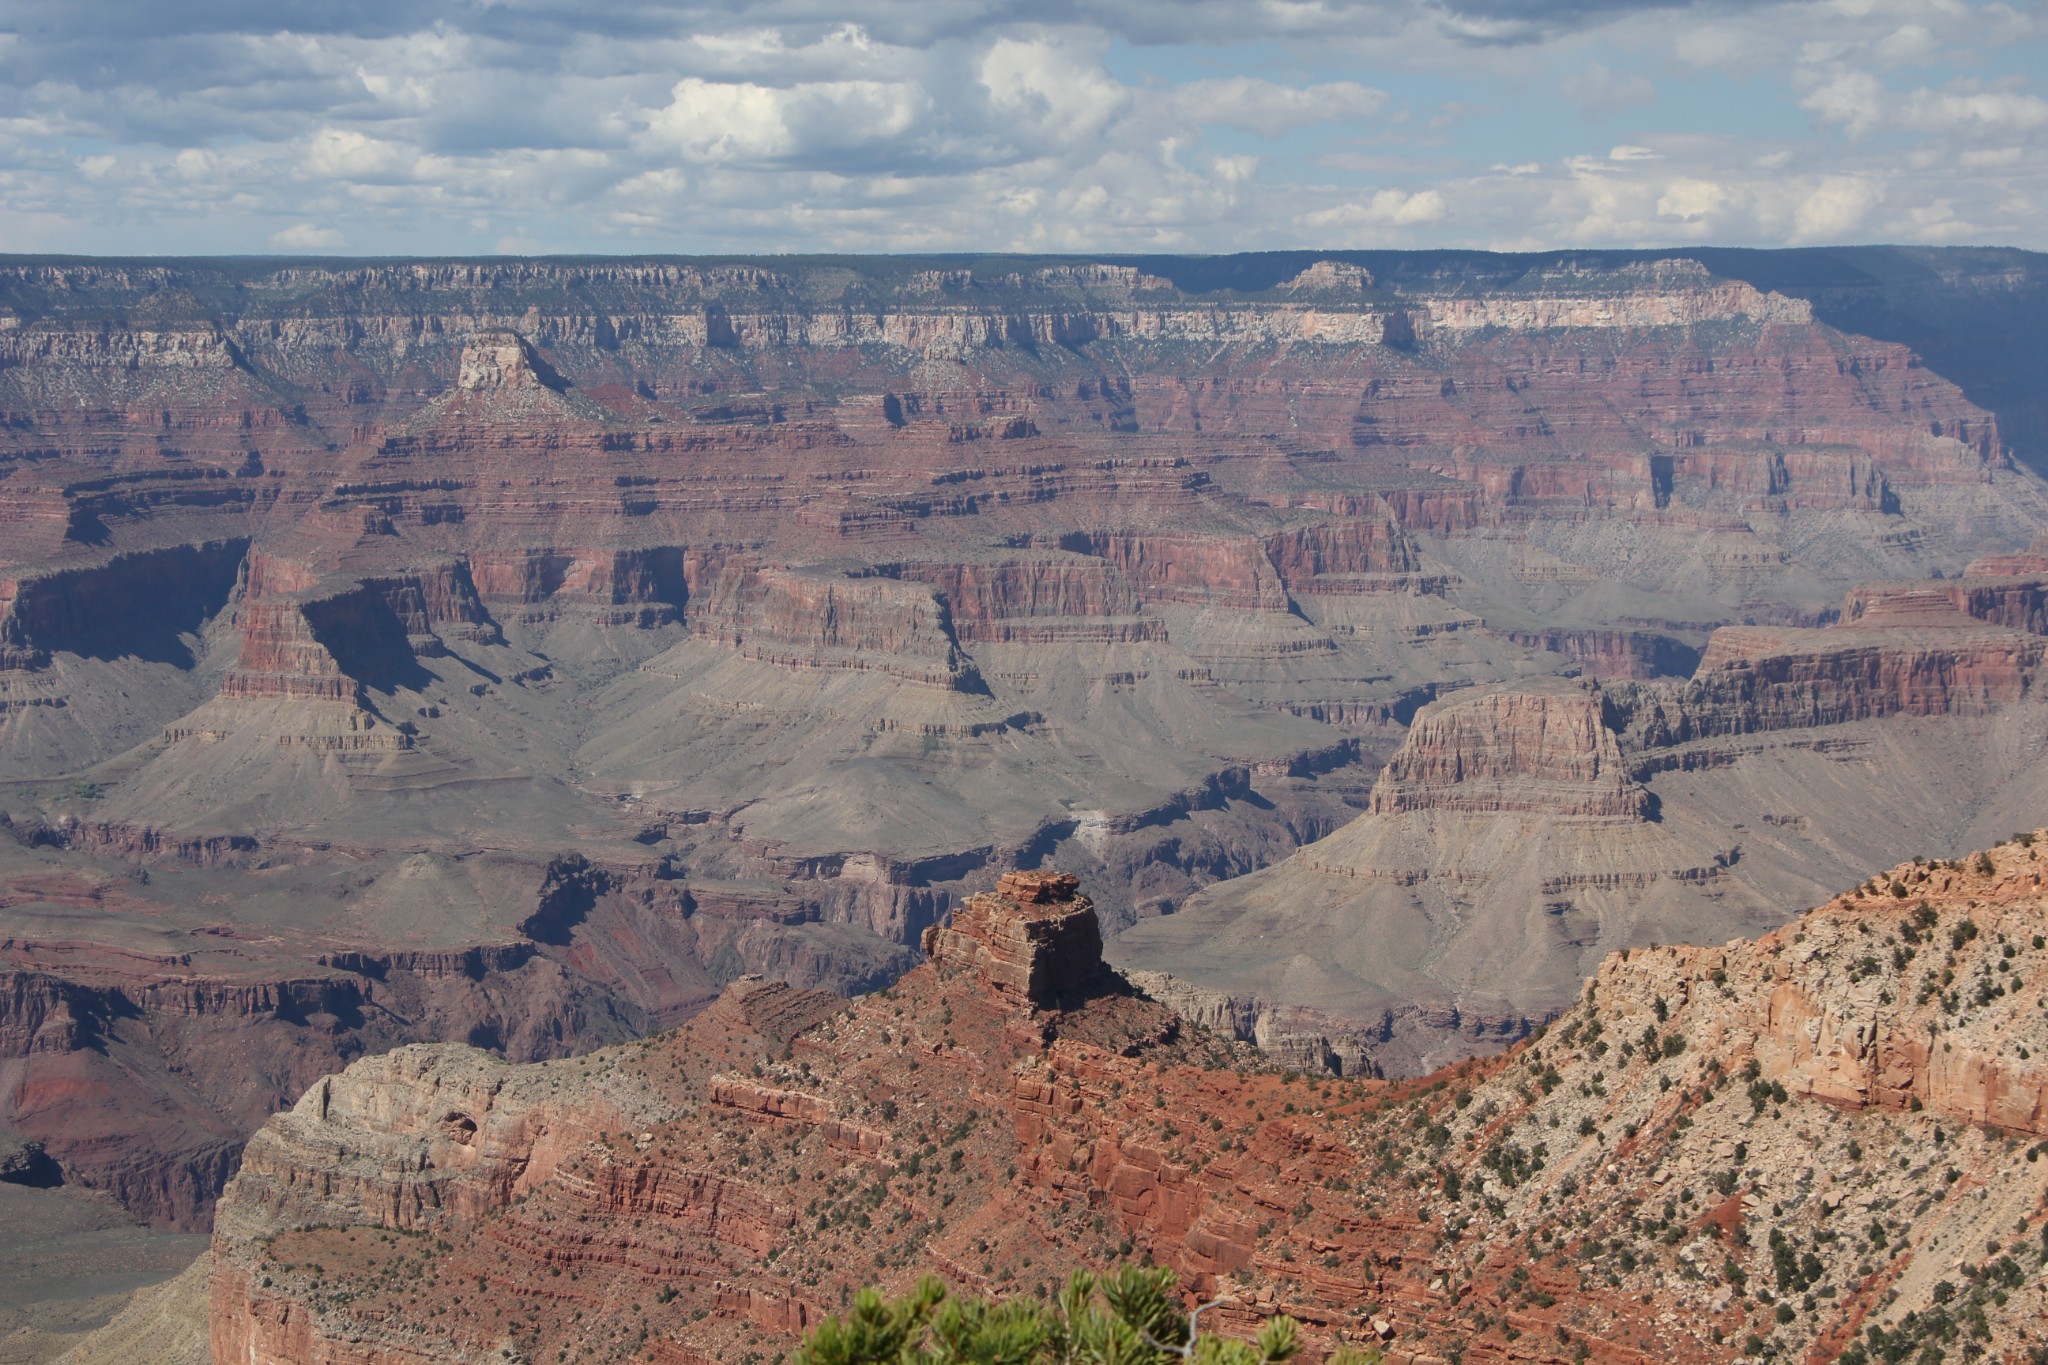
x: 1782, y: 1143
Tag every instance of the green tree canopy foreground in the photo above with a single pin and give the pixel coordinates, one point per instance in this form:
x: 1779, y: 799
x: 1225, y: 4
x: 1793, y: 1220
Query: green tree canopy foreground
x: 1131, y: 1318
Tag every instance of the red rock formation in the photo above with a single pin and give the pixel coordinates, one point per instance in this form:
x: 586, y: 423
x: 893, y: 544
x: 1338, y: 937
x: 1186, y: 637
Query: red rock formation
x: 2013, y: 603
x: 282, y: 658
x: 828, y: 620
x: 1203, y: 570
x: 1040, y: 599
x: 1033, y: 938
x: 1754, y: 679
x: 1628, y: 1183
x: 2032, y: 560
x: 979, y: 565
x: 1635, y: 654
x: 142, y: 1073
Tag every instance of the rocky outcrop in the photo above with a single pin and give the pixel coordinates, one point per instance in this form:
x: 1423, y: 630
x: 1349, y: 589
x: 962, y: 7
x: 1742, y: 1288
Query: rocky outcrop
x: 142, y: 1076
x: 1034, y: 938
x: 808, y: 599
x: 1705, y: 1135
x: 1626, y: 654
x: 643, y: 587
x: 303, y: 639
x: 1654, y: 294
x: 1760, y: 679
x: 420, y: 1137
x: 27, y: 1163
x: 1036, y: 600
x: 820, y: 619
x: 1200, y: 570
x: 1866, y: 1030
x: 440, y: 598
x: 1295, y: 1036
x: 501, y: 360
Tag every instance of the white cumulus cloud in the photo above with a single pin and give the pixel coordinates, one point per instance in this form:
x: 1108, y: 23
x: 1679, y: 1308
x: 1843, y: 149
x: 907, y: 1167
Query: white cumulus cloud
x: 307, y: 237
x: 742, y: 121
x: 1087, y: 125
x: 1836, y: 210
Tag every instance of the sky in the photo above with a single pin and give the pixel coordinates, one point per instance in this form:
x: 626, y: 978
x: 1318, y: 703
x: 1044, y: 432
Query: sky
x: 472, y: 127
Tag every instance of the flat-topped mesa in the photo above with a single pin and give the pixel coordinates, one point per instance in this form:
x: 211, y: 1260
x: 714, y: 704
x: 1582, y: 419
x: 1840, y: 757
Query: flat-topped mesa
x: 2032, y: 560
x: 2013, y: 601
x: 1915, y: 653
x: 1540, y: 748
x: 499, y: 360
x: 1034, y: 938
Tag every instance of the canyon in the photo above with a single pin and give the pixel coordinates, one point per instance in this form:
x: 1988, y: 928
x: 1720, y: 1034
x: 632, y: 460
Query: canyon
x: 1819, y: 1143
x: 520, y: 653
x: 1521, y: 831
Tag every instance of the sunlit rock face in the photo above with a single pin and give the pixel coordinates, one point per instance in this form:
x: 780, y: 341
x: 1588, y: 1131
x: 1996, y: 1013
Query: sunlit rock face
x: 519, y: 653
x: 1847, y: 1107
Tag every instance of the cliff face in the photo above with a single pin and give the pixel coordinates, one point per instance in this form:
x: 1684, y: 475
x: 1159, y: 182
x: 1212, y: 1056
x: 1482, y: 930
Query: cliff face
x: 141, y: 1064
x: 1765, y: 681
x: 1512, y: 751
x: 826, y: 620
x: 1032, y: 939
x: 1520, y: 831
x: 1834, y: 1119
x: 807, y: 599
x: 131, y: 603
x: 144, y: 1078
x: 1962, y: 647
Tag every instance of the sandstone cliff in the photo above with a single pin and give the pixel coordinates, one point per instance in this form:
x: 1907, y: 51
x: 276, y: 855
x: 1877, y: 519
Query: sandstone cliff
x: 1519, y: 832
x: 807, y: 599
x: 1819, y: 1137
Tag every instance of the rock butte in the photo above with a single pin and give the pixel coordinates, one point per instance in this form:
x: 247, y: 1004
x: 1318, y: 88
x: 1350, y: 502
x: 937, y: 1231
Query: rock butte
x: 519, y: 653
x: 1706, y: 1131
x: 1520, y: 830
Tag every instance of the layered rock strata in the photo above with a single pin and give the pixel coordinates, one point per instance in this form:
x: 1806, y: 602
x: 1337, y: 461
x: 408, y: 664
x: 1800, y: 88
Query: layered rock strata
x: 1518, y: 832
x: 1032, y: 938
x: 1838, y: 1118
x: 806, y: 599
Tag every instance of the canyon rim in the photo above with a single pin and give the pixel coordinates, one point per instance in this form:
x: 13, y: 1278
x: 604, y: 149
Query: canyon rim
x: 569, y: 781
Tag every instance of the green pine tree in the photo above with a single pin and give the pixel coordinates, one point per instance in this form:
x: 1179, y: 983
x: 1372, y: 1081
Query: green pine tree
x: 1131, y: 1318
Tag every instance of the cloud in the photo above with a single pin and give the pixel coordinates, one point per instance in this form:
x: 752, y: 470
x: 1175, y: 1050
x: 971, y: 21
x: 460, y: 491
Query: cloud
x: 1530, y: 21
x: 1836, y: 210
x: 1906, y: 45
x: 306, y: 237
x: 1992, y: 111
x: 745, y: 122
x: 473, y: 125
x: 1693, y: 202
x: 348, y: 155
x: 1853, y: 101
x: 1598, y: 91
x: 1051, y: 86
x: 1860, y: 104
x: 1385, y: 209
x: 1271, y: 109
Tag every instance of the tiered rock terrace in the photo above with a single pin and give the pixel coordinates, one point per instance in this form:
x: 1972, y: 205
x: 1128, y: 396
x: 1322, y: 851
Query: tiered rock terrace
x: 806, y: 599
x: 1824, y: 1135
x: 1521, y: 832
